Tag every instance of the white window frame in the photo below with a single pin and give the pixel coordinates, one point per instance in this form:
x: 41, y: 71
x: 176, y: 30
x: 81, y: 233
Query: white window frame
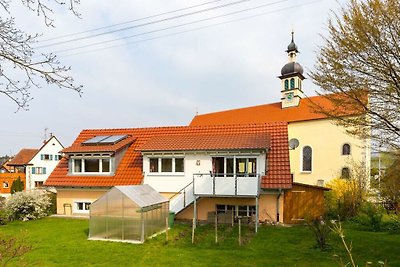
x: 159, y: 171
x: 99, y: 157
x: 84, y: 202
x: 301, y: 160
x: 6, y: 184
x: 234, y: 163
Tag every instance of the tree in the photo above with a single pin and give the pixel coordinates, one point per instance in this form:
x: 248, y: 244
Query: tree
x: 20, y: 67
x: 390, y: 187
x: 358, y: 68
x: 17, y: 186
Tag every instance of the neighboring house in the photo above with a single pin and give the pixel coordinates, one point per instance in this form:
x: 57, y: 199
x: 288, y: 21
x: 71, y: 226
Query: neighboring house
x: 6, y: 181
x: 242, y: 169
x: 320, y: 149
x: 37, y: 164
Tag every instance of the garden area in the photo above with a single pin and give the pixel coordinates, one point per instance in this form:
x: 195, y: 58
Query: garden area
x: 63, y: 242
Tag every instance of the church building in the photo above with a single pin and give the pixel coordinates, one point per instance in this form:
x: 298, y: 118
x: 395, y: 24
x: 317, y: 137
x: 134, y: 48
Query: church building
x: 319, y: 150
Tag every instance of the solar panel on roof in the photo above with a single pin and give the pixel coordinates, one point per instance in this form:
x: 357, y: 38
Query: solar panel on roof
x: 95, y: 140
x: 113, y: 139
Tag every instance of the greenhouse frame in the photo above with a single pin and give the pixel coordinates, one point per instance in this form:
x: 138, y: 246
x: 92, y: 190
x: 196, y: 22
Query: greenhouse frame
x: 128, y: 214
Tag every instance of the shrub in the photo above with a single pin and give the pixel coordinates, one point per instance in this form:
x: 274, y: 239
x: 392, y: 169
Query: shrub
x: 3, y: 214
x: 28, y: 205
x: 371, y: 217
x: 321, y: 229
x: 345, y: 198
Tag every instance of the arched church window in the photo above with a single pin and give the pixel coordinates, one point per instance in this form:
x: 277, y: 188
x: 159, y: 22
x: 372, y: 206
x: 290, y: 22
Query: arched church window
x: 292, y: 83
x: 286, y: 84
x: 307, y: 159
x: 346, y: 149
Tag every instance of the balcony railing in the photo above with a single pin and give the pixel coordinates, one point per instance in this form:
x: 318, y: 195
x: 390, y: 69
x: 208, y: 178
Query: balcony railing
x: 227, y: 185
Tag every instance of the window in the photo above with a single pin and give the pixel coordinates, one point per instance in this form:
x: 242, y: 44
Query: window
x: 307, y: 159
x: 154, y: 165
x: 230, y: 166
x: 92, y: 165
x: 77, y: 165
x: 5, y: 184
x: 57, y: 157
x: 95, y: 164
x: 286, y: 84
x: 46, y: 157
x: 82, y: 206
x: 179, y: 166
x: 167, y: 165
x: 345, y: 173
x: 346, y: 149
x: 38, y: 184
x: 38, y: 170
x: 242, y: 210
x: 292, y: 83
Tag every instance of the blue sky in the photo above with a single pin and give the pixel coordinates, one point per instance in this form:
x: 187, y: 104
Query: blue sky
x: 163, y: 78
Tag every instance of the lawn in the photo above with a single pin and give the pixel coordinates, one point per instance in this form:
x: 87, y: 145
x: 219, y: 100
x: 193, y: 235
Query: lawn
x: 63, y: 242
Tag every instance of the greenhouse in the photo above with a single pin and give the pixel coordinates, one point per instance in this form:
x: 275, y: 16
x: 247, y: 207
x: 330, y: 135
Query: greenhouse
x: 128, y: 214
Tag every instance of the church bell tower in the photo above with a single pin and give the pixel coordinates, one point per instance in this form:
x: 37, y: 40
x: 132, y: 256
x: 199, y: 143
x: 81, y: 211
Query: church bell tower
x: 292, y: 78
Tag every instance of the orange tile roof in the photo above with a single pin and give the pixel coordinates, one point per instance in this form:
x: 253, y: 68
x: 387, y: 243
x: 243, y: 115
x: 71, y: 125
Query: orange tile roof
x: 129, y: 171
x: 23, y: 157
x: 99, y: 148
x: 217, y: 141
x: 270, y: 113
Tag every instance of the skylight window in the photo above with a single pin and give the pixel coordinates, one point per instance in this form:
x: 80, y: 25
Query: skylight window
x: 104, y: 140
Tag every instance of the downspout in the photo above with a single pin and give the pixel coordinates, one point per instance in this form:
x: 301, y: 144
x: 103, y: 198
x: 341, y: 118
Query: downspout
x: 277, y: 204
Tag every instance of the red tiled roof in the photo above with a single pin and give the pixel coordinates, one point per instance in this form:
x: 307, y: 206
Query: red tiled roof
x: 23, y: 157
x: 217, y: 141
x: 307, y: 110
x: 78, y: 148
x: 129, y: 171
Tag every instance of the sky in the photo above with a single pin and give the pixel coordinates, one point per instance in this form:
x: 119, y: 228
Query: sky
x: 162, y: 63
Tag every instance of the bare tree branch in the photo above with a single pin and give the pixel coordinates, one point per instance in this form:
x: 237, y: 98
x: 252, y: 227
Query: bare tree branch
x: 18, y: 58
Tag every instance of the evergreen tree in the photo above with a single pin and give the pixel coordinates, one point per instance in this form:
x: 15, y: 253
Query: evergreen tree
x: 17, y: 186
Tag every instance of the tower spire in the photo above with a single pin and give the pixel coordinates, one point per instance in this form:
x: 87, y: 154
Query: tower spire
x: 291, y: 77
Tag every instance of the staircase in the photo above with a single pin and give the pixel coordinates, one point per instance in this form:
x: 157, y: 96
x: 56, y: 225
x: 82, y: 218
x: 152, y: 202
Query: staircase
x: 182, y: 199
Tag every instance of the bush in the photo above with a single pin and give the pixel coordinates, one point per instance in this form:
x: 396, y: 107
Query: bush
x: 345, y: 198
x: 321, y: 230
x: 28, y: 205
x: 371, y: 216
x: 3, y: 214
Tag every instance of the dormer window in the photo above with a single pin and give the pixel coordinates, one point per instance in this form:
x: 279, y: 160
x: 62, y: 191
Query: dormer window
x: 91, y: 164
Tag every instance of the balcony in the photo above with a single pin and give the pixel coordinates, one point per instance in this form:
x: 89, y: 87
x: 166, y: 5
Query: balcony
x: 226, y: 185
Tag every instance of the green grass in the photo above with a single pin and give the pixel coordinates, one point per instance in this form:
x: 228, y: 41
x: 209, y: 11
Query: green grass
x: 63, y: 242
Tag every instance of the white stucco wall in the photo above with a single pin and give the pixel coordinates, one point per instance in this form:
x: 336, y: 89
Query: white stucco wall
x: 53, y: 147
x: 173, y: 182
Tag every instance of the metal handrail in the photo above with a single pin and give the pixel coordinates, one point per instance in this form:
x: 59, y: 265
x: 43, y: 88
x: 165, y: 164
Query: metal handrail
x: 179, y: 192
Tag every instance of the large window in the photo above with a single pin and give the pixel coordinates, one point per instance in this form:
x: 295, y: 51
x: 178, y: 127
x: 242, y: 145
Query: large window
x: 234, y: 166
x: 167, y: 165
x: 92, y: 165
x: 307, y: 159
